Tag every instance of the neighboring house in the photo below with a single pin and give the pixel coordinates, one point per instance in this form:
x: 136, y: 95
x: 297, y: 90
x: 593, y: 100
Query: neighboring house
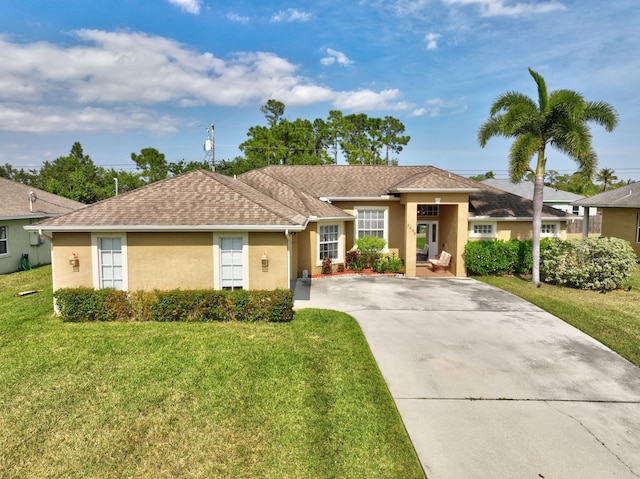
x: 269, y: 226
x: 620, y: 210
x: 562, y: 200
x: 22, y: 205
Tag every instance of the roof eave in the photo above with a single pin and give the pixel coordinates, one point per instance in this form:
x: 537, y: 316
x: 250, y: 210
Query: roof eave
x: 163, y: 228
x: 30, y: 216
x: 518, y: 218
x: 436, y: 190
x: 329, y: 199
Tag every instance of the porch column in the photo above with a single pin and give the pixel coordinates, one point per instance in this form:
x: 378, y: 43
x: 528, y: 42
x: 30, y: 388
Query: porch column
x: 585, y: 222
x: 410, y: 216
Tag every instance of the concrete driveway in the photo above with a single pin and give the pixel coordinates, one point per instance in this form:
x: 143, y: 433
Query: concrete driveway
x: 489, y: 385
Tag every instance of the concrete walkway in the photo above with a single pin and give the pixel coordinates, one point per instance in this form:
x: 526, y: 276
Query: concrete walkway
x: 489, y: 385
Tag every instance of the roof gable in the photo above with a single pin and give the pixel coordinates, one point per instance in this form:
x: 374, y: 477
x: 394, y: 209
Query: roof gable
x: 14, y: 202
x: 627, y: 196
x: 196, y: 198
x: 525, y: 189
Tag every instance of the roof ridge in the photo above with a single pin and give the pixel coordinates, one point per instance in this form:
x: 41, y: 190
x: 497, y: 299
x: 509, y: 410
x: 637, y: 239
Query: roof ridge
x: 227, y: 179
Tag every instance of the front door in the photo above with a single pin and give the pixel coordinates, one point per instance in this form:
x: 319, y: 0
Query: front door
x: 231, y: 263
x: 427, y: 240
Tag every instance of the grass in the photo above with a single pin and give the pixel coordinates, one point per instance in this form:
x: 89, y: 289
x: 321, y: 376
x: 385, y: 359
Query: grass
x: 612, y: 318
x: 217, y: 400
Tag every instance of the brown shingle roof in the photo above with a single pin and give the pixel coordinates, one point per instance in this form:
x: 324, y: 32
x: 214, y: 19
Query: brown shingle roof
x: 624, y: 197
x: 496, y: 203
x: 353, y: 181
x: 196, y: 198
x: 269, y: 182
x: 14, y: 202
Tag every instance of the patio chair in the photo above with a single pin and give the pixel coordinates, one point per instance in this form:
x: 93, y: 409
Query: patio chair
x: 441, y: 263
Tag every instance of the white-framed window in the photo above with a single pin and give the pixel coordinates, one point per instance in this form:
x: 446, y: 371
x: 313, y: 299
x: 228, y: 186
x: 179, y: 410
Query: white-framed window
x: 110, y: 260
x: 483, y: 230
x: 231, y: 261
x: 575, y: 209
x: 428, y: 210
x: 638, y: 236
x: 550, y: 230
x: 4, y: 242
x: 330, y: 242
x: 372, y: 221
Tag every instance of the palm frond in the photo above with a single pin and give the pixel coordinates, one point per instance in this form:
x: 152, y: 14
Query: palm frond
x: 543, y: 97
x: 507, y: 100
x: 601, y: 113
x: 489, y: 129
x: 522, y: 150
x: 574, y: 139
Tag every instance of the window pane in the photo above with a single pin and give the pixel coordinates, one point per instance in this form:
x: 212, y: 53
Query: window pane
x: 328, y: 241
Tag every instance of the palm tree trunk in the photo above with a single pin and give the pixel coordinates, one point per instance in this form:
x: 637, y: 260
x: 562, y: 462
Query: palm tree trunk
x: 538, y: 187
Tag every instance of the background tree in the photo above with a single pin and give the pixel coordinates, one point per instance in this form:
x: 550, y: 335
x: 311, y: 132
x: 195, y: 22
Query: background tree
x: 559, y: 119
x: 361, y: 140
x: 152, y: 165
x: 485, y: 176
x: 606, y: 176
x: 74, y: 176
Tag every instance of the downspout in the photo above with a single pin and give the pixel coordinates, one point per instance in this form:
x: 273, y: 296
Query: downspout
x: 288, y: 236
x: 50, y: 238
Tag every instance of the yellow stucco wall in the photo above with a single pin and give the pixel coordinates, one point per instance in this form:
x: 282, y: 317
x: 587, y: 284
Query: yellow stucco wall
x: 622, y: 223
x: 168, y: 261
x: 304, y: 256
x: 274, y: 245
x: 452, y: 224
x: 65, y: 275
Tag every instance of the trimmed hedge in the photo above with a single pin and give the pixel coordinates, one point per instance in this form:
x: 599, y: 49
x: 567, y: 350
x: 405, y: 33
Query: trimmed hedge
x: 86, y: 304
x: 499, y: 257
x: 588, y: 263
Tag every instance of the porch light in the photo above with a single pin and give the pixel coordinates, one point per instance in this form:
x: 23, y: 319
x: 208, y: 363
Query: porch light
x: 437, y: 201
x: 265, y: 260
x: 74, y: 261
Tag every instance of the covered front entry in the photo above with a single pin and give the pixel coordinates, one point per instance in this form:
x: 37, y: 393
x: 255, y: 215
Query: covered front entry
x: 435, y: 223
x: 426, y: 240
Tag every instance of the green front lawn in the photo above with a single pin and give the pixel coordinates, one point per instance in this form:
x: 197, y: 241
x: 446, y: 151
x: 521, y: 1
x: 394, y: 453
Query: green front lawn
x: 235, y: 400
x: 612, y: 318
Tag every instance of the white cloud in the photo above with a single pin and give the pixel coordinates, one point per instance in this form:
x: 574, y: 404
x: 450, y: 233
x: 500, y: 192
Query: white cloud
x: 437, y: 106
x: 235, y: 17
x: 432, y: 41
x: 47, y: 119
x: 189, y: 6
x: 96, y: 84
x: 291, y: 15
x: 335, y: 57
x: 494, y: 8
x: 370, y: 100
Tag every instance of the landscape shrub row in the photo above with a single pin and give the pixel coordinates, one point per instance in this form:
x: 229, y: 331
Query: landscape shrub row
x: 499, y: 257
x: 87, y: 304
x: 588, y: 263
x: 585, y: 263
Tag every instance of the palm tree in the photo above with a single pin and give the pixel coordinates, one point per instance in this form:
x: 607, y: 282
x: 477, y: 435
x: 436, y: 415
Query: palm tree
x: 606, y: 176
x: 559, y: 119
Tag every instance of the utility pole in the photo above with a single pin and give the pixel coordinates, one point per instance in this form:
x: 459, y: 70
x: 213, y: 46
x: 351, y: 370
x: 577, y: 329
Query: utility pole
x: 210, y: 146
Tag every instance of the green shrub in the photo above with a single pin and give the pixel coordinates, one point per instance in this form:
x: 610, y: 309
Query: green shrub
x: 499, y: 257
x: 370, y: 249
x: 588, y: 263
x: 389, y: 263
x: 86, y: 304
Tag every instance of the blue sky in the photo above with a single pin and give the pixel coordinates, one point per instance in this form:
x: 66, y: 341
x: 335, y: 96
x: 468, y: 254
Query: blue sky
x: 119, y: 75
